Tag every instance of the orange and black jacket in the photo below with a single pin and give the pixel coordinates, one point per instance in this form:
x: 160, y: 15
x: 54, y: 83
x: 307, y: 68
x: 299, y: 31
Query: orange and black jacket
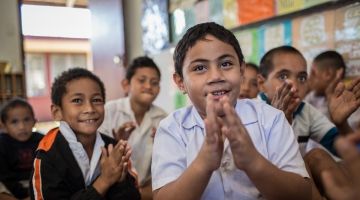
x: 56, y: 174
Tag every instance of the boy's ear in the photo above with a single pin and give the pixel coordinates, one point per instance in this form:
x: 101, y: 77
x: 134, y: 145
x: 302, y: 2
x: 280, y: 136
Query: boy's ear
x: 242, y: 68
x: 261, y: 81
x: 125, y: 84
x: 179, y: 82
x: 56, y: 112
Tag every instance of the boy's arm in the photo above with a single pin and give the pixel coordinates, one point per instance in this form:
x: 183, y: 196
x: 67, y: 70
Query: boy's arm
x: 196, y: 177
x: 271, y: 181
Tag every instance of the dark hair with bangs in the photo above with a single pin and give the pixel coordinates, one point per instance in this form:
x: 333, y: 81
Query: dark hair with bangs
x: 198, y: 32
x: 14, y: 103
x: 141, y: 62
x: 266, y: 63
x: 58, y: 88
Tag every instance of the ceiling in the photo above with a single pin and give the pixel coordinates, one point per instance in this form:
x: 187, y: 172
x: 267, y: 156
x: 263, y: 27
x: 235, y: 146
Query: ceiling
x: 69, y: 3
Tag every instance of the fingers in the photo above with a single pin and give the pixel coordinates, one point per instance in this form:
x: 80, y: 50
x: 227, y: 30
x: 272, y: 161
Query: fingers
x: 333, y: 84
x: 211, y: 125
x: 355, y: 87
x: 339, y: 89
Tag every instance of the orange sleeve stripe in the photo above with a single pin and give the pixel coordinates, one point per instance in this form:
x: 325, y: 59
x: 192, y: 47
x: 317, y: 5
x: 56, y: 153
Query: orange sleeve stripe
x: 37, y: 180
x: 48, y: 140
x: 133, y: 173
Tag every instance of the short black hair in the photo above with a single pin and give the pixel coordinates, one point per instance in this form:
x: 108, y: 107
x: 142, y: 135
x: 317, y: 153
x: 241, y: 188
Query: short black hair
x: 198, y: 32
x: 58, y: 88
x: 266, y: 63
x: 13, y: 103
x: 330, y: 59
x: 252, y: 66
x: 141, y: 62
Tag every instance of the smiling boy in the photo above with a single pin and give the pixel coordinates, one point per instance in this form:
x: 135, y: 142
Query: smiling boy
x: 221, y: 147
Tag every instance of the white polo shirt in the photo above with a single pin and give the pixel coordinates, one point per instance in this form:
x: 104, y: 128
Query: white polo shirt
x: 181, y: 135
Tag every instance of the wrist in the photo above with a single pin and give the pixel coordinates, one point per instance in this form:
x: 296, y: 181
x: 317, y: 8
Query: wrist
x: 256, y: 165
x: 101, y: 185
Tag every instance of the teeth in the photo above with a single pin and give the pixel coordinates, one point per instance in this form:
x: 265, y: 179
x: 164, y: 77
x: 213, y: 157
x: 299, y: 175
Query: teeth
x: 218, y: 93
x: 90, y: 121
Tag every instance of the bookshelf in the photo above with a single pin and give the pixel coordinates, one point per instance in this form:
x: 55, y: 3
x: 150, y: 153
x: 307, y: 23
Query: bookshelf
x: 11, y: 85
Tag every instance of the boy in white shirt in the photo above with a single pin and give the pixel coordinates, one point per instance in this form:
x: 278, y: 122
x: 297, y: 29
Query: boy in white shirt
x: 221, y: 147
x: 135, y: 118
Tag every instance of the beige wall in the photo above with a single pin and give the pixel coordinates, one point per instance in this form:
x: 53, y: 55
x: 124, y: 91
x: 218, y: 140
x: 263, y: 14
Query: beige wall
x: 10, y: 45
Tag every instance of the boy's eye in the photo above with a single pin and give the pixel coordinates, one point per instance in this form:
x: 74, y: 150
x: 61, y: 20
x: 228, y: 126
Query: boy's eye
x: 283, y: 77
x: 77, y: 100
x: 98, y: 100
x: 154, y: 83
x: 302, y: 79
x: 199, y: 68
x: 226, y: 64
x: 14, y: 121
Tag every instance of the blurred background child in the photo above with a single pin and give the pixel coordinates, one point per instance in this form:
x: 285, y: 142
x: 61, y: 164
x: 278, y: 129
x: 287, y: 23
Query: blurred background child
x: 323, y: 71
x: 17, y: 147
x: 135, y: 117
x: 249, y: 87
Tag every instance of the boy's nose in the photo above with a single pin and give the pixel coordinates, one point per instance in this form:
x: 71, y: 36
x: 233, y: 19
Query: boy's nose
x: 215, y: 74
x: 89, y: 107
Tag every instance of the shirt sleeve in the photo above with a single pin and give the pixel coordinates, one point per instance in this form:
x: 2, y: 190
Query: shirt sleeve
x: 283, y: 149
x: 169, y: 154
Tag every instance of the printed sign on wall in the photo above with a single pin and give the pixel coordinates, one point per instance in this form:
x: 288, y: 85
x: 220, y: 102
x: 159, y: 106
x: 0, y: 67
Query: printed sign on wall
x: 274, y: 35
x: 314, y: 34
x: 347, y: 37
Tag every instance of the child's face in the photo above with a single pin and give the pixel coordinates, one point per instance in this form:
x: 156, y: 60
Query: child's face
x: 82, y: 106
x: 287, y: 66
x: 19, y: 123
x: 144, y: 86
x: 249, y: 86
x: 210, y: 66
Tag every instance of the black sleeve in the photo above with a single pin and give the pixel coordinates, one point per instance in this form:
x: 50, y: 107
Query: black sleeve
x: 125, y: 190
x: 49, y: 183
x: 7, y: 177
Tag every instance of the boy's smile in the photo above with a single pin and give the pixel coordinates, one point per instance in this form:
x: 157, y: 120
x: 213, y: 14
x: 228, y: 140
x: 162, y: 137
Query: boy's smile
x: 210, y: 66
x: 82, y: 106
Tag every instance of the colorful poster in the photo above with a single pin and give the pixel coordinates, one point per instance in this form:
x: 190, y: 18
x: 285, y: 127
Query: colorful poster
x: 314, y: 34
x: 230, y: 12
x: 288, y: 6
x: 347, y: 37
x: 248, y: 40
x: 216, y: 14
x: 248, y: 13
x: 202, y: 12
x: 310, y: 3
x: 274, y: 35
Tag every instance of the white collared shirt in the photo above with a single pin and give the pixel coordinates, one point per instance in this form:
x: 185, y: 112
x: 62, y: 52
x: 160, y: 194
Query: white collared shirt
x: 181, y: 135
x: 90, y: 168
x: 119, y: 111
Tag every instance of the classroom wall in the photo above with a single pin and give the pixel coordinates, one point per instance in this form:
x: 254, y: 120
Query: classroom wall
x: 10, y: 41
